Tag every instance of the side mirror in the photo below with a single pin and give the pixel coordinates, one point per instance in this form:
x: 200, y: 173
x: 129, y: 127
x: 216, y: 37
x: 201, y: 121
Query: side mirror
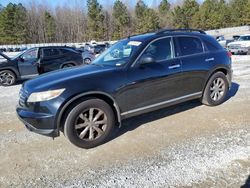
x: 21, y: 59
x: 147, y: 60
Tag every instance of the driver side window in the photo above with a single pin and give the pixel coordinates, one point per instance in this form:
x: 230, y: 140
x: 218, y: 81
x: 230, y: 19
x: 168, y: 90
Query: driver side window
x: 159, y: 50
x: 30, y: 54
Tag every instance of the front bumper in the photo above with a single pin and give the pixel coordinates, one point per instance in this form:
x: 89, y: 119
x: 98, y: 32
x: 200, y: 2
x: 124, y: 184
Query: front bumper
x: 37, y: 122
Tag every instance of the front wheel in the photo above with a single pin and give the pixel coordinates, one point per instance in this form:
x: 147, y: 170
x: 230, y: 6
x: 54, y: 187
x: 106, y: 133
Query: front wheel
x: 89, y: 123
x: 216, y: 90
x: 7, y: 78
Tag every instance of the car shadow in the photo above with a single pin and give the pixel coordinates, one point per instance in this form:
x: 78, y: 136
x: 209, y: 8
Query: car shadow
x: 247, y: 183
x: 233, y: 90
x: 135, y: 122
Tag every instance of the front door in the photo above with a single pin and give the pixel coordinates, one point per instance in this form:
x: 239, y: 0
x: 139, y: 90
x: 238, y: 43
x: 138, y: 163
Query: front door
x: 28, y: 63
x: 154, y: 83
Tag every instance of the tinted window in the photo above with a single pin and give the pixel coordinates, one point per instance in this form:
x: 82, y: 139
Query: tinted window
x: 160, y: 50
x: 64, y: 51
x: 190, y: 45
x: 210, y: 46
x: 30, y: 54
x: 242, y: 38
x: 50, y: 52
x: 68, y: 50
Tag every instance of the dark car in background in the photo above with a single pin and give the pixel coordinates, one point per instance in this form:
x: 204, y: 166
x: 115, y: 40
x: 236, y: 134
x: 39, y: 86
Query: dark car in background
x: 36, y: 61
x: 87, y: 55
x: 98, y: 48
x: 136, y: 75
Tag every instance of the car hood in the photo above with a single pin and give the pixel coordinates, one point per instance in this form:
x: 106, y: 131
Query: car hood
x: 56, y: 79
x: 3, y: 62
x: 4, y: 56
x: 239, y: 43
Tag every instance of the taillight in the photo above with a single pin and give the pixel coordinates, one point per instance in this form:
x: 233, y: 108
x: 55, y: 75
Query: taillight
x: 229, y: 54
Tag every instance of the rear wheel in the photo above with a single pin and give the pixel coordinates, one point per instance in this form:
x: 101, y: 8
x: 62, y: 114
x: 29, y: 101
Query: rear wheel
x: 89, y: 123
x: 216, y: 90
x: 248, y: 52
x: 87, y: 61
x: 67, y: 66
x: 7, y: 78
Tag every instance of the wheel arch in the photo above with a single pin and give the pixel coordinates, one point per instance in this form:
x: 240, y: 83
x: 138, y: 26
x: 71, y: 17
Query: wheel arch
x: 224, y: 70
x: 69, y: 62
x: 81, y: 97
x: 11, y: 69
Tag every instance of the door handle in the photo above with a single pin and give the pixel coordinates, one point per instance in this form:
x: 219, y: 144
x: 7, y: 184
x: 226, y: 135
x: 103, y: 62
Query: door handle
x: 174, y: 66
x: 209, y: 59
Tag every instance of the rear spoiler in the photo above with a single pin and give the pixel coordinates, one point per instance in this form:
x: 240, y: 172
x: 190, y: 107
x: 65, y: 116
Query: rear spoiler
x: 5, y: 56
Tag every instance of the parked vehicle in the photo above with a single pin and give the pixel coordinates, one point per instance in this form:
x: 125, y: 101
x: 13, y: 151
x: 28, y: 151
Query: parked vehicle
x: 241, y: 46
x: 222, y: 41
x: 36, y: 61
x: 87, y: 56
x: 134, y: 76
x: 98, y: 49
x: 236, y: 37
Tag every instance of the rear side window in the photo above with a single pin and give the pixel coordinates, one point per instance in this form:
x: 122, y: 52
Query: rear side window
x: 210, y: 46
x: 50, y: 52
x: 190, y: 45
x: 67, y: 50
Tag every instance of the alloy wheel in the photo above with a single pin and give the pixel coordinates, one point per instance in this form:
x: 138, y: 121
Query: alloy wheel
x: 91, y: 124
x: 6, y: 78
x: 217, y: 89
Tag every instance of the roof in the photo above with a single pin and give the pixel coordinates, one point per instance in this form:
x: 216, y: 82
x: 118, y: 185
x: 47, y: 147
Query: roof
x: 246, y: 34
x: 167, y: 32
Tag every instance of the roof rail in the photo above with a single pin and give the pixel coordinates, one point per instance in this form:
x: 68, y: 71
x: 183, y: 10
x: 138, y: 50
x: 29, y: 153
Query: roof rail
x: 162, y: 31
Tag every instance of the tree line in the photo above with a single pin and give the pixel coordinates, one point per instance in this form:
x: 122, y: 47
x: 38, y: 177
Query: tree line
x: 39, y: 23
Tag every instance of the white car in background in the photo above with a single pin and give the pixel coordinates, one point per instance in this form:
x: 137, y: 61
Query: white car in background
x: 241, y: 46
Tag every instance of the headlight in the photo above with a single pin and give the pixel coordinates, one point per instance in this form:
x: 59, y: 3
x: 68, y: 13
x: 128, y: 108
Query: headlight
x: 45, y: 95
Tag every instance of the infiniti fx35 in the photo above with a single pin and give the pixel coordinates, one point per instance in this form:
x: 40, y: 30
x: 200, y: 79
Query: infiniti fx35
x: 136, y: 75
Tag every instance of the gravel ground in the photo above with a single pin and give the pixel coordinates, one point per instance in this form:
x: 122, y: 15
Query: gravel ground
x: 188, y: 145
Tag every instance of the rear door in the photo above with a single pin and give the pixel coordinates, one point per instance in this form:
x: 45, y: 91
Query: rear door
x: 52, y: 59
x: 191, y: 52
x: 28, y: 63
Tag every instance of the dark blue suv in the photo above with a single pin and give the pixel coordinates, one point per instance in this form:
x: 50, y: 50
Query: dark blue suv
x: 136, y: 75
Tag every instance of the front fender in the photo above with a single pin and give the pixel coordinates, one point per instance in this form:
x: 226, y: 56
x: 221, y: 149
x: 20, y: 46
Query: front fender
x: 11, y: 69
x: 75, y: 98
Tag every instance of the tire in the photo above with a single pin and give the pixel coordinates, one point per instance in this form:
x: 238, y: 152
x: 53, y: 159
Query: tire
x: 216, y: 90
x: 7, y: 78
x: 248, y: 52
x: 80, y: 123
x: 67, y: 66
x: 87, y: 61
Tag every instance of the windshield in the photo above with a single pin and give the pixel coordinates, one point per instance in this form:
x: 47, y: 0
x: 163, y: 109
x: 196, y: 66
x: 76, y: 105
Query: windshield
x: 118, y: 54
x: 242, y: 38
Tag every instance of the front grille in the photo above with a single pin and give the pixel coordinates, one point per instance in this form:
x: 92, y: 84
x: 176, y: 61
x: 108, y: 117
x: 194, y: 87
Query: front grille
x: 23, y: 94
x: 234, y: 46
